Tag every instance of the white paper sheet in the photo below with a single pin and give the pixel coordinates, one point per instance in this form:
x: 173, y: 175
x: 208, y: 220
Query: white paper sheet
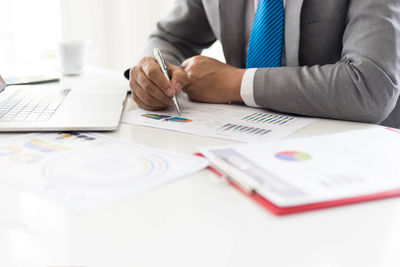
x: 303, y: 171
x: 233, y: 122
x: 87, y: 171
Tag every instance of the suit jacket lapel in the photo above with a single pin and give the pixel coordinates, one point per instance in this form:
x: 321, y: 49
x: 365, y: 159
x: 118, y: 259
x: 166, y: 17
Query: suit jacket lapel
x: 292, y: 31
x: 232, y: 30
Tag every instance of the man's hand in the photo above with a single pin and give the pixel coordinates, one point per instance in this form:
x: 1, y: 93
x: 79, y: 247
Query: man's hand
x: 212, y: 81
x: 151, y: 90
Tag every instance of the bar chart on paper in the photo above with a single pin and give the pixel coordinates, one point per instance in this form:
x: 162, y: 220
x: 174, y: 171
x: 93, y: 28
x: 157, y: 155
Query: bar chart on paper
x: 268, y: 118
x: 294, y: 156
x: 166, y: 118
x: 225, y: 121
x: 242, y: 130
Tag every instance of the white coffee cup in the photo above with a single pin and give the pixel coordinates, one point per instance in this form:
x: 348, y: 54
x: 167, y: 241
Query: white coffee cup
x: 73, y: 55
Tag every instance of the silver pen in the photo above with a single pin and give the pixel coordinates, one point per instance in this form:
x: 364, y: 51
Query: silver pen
x: 163, y: 66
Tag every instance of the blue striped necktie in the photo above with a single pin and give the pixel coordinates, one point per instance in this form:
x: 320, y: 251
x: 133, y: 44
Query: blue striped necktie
x: 266, y: 38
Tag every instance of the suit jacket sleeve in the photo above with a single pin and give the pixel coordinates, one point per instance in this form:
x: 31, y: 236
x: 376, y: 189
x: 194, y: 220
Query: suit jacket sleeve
x: 184, y: 33
x: 362, y: 86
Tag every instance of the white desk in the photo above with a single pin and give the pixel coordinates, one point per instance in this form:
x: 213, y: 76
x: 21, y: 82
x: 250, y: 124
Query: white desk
x: 196, y: 221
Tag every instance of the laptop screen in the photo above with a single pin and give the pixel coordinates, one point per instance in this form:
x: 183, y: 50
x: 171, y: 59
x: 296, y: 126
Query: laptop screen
x: 3, y: 84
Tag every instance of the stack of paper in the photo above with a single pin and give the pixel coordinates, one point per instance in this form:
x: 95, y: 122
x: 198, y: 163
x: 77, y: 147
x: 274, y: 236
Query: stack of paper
x: 317, y: 169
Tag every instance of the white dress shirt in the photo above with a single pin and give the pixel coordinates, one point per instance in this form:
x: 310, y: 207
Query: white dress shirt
x: 247, y: 87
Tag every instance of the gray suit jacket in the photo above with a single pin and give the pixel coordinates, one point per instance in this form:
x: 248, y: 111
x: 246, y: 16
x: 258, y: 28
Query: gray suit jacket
x: 342, y: 56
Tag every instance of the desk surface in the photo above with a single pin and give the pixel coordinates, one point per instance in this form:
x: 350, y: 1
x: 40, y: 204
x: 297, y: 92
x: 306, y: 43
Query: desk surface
x: 196, y: 221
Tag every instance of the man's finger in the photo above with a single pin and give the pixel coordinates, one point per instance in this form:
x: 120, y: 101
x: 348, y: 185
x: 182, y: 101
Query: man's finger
x: 143, y: 105
x: 186, y: 63
x: 147, y: 99
x: 154, y: 73
x: 152, y: 89
x: 179, y: 78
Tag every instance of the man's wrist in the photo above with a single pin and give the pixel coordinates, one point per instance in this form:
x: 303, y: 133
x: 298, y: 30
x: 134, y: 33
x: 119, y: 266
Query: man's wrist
x: 236, y: 81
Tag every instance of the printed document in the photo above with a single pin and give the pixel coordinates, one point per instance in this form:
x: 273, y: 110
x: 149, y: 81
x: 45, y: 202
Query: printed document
x: 232, y: 122
x: 83, y: 171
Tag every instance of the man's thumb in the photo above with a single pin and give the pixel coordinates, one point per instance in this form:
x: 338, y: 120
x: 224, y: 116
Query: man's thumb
x: 179, y: 78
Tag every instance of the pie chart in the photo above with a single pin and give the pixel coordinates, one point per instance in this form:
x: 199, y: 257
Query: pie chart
x: 294, y: 156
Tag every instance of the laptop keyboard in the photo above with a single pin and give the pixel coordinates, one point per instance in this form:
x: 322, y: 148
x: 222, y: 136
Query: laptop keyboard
x: 31, y: 105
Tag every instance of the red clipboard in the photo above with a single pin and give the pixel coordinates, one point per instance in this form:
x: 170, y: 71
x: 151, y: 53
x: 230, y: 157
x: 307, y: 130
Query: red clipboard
x: 280, y: 211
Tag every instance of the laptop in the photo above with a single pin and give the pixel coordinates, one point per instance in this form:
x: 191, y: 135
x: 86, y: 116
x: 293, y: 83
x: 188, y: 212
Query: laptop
x: 52, y: 107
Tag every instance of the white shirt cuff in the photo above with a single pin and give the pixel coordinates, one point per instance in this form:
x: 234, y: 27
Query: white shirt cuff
x: 247, y: 88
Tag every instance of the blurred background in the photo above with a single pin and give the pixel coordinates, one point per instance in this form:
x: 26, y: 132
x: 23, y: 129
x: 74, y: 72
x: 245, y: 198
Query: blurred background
x: 30, y: 30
